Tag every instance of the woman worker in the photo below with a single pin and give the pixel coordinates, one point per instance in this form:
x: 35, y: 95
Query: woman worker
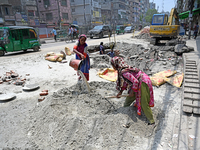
x: 139, y: 87
x: 81, y: 53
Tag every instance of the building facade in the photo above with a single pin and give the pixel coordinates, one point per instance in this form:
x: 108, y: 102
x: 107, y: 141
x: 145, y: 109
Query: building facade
x: 7, y: 18
x: 86, y: 12
x: 55, y: 13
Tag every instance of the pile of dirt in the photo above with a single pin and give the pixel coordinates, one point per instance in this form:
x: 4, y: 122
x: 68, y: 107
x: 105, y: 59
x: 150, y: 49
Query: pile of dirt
x: 70, y: 112
x: 138, y: 56
x: 144, y: 33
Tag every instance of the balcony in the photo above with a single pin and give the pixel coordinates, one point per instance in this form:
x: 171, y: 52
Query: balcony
x: 106, y: 6
x: 31, y: 3
x: 80, y: 3
x: 9, y: 18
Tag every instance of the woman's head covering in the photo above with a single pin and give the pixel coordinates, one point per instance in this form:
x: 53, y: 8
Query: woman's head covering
x: 122, y: 67
x: 119, y: 63
x: 82, y: 35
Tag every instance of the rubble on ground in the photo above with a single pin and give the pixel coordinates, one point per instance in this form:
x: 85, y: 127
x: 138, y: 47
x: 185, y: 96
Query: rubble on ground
x: 11, y: 77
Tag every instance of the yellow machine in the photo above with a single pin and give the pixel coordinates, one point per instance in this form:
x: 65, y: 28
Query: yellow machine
x: 164, y: 28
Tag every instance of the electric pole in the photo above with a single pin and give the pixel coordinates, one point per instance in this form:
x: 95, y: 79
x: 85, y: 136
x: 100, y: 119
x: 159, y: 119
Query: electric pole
x: 84, y: 14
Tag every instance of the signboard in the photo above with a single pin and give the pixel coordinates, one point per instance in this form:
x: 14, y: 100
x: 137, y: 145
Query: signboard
x: 96, y: 14
x: 75, y: 22
x: 37, y: 23
x: 25, y: 18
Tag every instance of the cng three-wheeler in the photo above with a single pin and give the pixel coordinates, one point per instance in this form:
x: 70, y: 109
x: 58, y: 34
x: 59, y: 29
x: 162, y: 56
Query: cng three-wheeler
x: 17, y: 38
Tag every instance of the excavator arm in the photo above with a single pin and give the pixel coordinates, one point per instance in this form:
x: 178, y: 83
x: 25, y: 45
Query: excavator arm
x: 173, y: 18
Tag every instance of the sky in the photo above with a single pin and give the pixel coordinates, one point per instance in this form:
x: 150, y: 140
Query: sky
x: 168, y: 4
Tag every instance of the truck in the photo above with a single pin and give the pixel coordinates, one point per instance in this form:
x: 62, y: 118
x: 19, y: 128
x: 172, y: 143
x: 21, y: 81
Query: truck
x: 164, y: 27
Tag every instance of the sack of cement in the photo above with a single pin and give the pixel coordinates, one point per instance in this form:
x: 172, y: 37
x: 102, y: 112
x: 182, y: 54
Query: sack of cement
x: 67, y: 51
x: 50, y: 54
x: 52, y: 58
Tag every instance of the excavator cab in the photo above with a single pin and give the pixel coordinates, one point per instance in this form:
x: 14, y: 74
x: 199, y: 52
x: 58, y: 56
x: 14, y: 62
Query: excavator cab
x: 159, y: 19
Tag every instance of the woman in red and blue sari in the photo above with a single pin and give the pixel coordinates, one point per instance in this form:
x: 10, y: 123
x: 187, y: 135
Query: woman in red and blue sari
x: 81, y: 53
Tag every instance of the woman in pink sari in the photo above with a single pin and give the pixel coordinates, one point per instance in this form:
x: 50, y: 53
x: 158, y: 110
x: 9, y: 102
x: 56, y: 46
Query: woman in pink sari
x: 139, y: 87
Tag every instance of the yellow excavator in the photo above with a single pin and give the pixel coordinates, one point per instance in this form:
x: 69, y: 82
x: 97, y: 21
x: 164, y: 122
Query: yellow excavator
x: 164, y: 28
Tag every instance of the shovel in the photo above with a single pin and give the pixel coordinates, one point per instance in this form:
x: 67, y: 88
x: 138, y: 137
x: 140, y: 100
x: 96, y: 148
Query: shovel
x: 116, y: 96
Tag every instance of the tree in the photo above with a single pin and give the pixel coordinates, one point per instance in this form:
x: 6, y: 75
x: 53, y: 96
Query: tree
x: 149, y: 15
x: 141, y: 18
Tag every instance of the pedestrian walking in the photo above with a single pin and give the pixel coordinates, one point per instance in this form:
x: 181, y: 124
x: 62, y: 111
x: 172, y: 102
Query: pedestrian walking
x: 196, y: 29
x: 55, y: 33
x: 70, y: 33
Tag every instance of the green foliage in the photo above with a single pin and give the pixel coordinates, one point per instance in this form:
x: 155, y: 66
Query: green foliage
x: 150, y: 14
x: 141, y: 18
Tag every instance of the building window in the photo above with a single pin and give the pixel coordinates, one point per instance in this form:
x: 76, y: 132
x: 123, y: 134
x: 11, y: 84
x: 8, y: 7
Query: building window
x: 6, y: 11
x: 63, y: 2
x: 31, y: 13
x: 65, y: 16
x: 46, y: 2
x: 49, y: 16
x: 73, y: 9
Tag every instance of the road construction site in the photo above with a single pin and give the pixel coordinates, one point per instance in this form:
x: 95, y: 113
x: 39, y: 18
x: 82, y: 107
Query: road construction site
x: 69, y: 117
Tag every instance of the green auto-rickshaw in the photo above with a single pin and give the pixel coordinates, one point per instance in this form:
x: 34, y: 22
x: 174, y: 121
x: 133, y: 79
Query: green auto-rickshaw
x: 120, y: 29
x: 17, y: 38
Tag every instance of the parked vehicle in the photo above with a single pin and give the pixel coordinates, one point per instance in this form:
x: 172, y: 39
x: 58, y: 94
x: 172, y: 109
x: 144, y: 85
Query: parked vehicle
x: 17, y: 38
x: 100, y: 31
x: 164, y: 28
x: 129, y: 29
x: 120, y: 29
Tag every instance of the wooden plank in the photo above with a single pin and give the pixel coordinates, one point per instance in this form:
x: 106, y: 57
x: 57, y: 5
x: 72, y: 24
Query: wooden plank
x: 194, y: 85
x: 192, y: 96
x: 191, y: 90
x: 187, y: 109
x: 190, y: 67
x: 191, y: 80
x: 191, y: 73
x: 194, y: 78
x: 191, y: 70
x: 187, y: 102
x: 196, y: 111
x: 196, y: 104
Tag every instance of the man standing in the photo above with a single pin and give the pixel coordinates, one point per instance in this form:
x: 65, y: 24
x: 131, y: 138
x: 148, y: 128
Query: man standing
x: 55, y: 33
x: 196, y: 29
x: 70, y: 32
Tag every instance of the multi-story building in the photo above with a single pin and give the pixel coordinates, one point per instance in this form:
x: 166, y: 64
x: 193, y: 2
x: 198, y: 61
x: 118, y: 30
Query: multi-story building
x: 86, y: 12
x: 120, y: 11
x: 106, y: 12
x: 134, y: 11
x: 7, y: 17
x: 152, y: 5
x: 29, y: 13
x: 55, y: 13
